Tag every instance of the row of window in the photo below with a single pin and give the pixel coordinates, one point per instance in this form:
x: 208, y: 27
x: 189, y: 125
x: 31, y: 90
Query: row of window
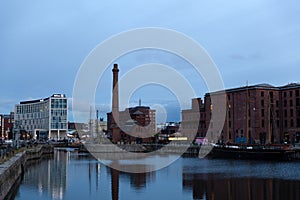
x: 32, y: 108
x: 59, y: 112
x: 58, y: 103
x: 263, y: 123
x: 34, y: 126
x: 32, y: 115
x: 34, y: 121
x: 58, y: 125
x: 263, y: 113
x: 285, y: 123
x: 297, y: 93
x: 59, y: 119
x: 43, y: 126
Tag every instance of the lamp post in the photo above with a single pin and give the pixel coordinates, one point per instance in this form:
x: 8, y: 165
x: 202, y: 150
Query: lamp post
x: 17, y: 133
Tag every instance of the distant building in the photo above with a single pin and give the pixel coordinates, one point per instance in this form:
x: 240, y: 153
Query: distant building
x: 43, y: 118
x: 254, y: 114
x: 193, y: 120
x: 137, y: 124
x: 6, y: 126
x: 170, y: 128
x: 77, y: 125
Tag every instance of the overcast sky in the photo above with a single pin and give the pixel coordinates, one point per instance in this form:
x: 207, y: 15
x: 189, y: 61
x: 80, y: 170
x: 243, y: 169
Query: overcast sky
x: 43, y: 44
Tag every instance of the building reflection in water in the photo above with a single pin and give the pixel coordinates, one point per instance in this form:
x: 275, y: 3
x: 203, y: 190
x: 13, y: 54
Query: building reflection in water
x: 216, y: 186
x: 115, y: 174
x: 49, y: 176
x: 137, y: 181
x: 186, y: 179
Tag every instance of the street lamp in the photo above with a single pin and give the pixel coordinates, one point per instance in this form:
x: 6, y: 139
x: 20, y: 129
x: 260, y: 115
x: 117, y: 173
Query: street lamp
x: 17, y: 133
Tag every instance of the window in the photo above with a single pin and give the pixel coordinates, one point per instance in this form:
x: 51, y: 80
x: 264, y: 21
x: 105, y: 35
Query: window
x: 277, y: 113
x: 298, y: 113
x: 262, y: 94
x: 284, y: 94
x: 271, y: 95
x: 291, y: 102
x: 297, y: 93
x: 292, y: 123
x: 285, y: 123
x: 285, y: 103
x: 262, y: 103
x: 262, y: 112
x: 291, y: 112
x: 277, y: 103
x: 291, y: 93
x: 277, y: 123
x: 263, y: 123
x: 285, y: 113
x: 298, y: 102
x: 298, y: 122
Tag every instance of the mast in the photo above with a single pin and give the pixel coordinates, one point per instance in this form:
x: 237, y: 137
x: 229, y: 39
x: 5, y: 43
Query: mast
x: 97, y: 128
x: 247, y: 114
x: 91, y: 123
x: 227, y: 118
x: 269, y: 117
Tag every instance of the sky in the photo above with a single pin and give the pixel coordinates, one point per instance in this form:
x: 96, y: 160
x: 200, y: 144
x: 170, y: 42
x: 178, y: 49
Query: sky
x: 44, y: 43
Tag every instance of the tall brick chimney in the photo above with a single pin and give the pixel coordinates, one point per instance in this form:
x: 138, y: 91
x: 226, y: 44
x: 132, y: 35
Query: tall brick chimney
x: 115, y: 97
x: 115, y: 105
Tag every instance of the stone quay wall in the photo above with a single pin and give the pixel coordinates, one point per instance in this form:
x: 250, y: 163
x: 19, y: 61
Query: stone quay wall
x: 12, y: 169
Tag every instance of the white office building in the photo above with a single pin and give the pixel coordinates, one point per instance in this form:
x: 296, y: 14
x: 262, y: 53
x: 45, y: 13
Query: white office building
x: 43, y: 118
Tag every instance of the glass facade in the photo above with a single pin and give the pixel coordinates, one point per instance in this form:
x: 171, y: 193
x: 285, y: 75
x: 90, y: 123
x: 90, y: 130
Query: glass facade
x: 50, y: 114
x: 58, y: 113
x: 32, y: 116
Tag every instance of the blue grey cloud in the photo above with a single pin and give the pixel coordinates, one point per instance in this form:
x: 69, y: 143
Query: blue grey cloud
x: 43, y: 43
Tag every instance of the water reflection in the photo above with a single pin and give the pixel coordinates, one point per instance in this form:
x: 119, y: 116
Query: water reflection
x: 137, y: 181
x: 214, y: 186
x: 70, y: 175
x: 49, y: 175
x: 114, y: 183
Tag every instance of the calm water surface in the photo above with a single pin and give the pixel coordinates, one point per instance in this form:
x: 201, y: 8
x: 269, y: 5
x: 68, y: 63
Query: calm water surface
x: 73, y: 175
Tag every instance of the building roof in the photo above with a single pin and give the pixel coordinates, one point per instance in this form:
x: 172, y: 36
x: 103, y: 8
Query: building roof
x: 138, y: 113
x: 140, y: 107
x: 264, y: 86
x: 290, y: 86
x: 45, y: 99
x: 33, y: 101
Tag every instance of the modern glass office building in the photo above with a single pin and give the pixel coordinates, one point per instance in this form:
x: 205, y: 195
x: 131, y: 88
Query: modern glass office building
x: 43, y: 118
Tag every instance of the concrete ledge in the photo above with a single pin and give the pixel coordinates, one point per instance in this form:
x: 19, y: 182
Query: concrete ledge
x: 12, y: 169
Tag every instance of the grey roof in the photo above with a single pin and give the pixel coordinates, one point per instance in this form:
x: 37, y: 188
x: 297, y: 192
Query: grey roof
x: 290, y: 86
x: 263, y: 85
x: 138, y: 113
